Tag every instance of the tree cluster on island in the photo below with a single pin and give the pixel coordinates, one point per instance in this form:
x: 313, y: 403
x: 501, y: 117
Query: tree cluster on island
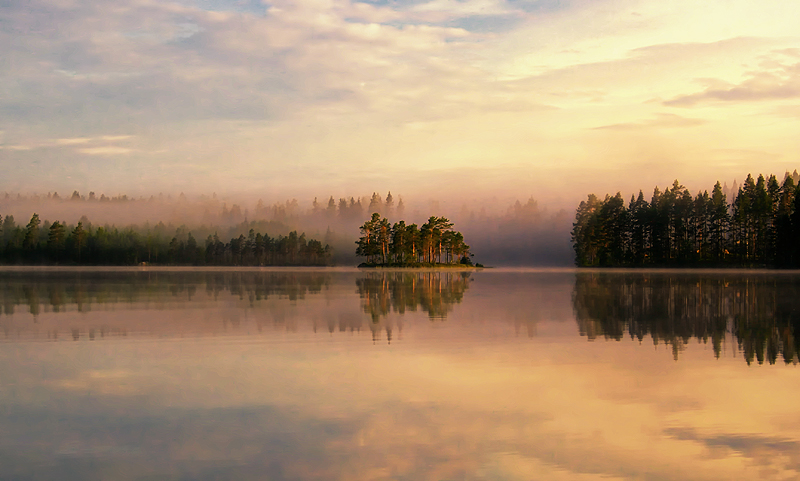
x: 760, y: 227
x: 82, y: 244
x: 399, y: 245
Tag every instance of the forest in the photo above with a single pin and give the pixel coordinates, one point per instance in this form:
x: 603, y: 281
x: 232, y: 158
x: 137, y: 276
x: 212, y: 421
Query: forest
x: 758, y: 227
x: 60, y: 244
x: 400, y: 245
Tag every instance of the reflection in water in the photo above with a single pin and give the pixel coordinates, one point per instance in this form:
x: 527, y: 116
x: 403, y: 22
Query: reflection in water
x: 434, y: 292
x: 210, y: 302
x: 196, y: 392
x: 87, y: 298
x: 762, y: 312
x: 59, y: 290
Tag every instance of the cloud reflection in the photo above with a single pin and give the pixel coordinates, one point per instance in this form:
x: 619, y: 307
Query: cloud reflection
x: 460, y: 398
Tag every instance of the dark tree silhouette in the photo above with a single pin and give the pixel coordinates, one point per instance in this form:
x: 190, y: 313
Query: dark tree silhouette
x: 760, y: 227
x: 58, y: 243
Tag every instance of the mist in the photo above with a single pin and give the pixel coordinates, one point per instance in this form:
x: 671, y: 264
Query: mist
x: 500, y: 232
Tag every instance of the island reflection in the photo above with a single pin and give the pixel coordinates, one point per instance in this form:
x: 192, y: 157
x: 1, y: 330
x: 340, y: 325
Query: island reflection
x: 434, y: 292
x: 760, y: 311
x: 95, y: 304
x: 758, y: 314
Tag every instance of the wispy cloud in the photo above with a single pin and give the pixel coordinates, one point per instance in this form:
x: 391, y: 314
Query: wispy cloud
x: 661, y: 121
x: 760, y: 448
x: 777, y: 81
x: 100, y: 145
x: 438, y: 11
x: 73, y: 141
x: 108, y: 150
x: 115, y: 138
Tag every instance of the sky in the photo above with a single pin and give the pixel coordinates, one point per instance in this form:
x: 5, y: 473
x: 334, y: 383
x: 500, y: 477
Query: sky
x: 441, y: 98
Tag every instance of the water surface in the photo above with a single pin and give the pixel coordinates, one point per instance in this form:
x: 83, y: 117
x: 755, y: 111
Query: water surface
x: 351, y: 375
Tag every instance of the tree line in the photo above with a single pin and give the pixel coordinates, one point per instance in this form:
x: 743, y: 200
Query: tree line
x: 398, y: 244
x: 759, y: 227
x: 82, y: 244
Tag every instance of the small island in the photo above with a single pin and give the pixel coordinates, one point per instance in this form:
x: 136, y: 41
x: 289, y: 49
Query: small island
x: 434, y: 244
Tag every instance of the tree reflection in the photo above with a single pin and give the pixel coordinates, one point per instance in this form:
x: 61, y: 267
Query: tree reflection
x: 69, y: 291
x: 762, y: 312
x: 433, y: 292
x: 59, y: 290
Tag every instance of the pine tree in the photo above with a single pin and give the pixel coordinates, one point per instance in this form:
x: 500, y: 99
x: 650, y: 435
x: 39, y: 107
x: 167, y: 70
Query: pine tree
x: 585, y: 232
x: 56, y: 238
x: 718, y: 225
x: 389, y: 204
x: 31, y: 240
x: 331, y: 210
x: 78, y: 238
x: 375, y: 203
x: 640, y: 230
x: 368, y: 245
x: 784, y: 249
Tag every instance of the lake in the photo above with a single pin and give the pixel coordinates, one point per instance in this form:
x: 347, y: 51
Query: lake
x: 341, y: 374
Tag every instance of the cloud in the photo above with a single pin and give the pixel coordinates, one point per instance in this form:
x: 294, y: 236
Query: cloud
x: 73, y: 141
x: 100, y: 142
x: 482, y: 11
x: 137, y: 67
x: 107, y: 150
x: 781, y: 82
x: 328, y: 86
x: 115, y: 138
x: 761, y: 448
x: 790, y: 110
x: 661, y: 121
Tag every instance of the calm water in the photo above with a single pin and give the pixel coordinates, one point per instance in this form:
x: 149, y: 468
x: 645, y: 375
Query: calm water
x: 348, y: 375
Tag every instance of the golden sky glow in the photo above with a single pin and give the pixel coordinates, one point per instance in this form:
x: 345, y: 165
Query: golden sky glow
x: 316, y: 97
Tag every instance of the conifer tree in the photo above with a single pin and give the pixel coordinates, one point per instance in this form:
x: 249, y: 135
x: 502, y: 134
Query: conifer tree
x: 389, y: 204
x: 32, y: 233
x: 375, y: 203
x: 56, y: 238
x: 718, y: 224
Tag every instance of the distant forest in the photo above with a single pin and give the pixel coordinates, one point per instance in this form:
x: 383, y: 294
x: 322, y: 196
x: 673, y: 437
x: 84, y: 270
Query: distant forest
x: 501, y: 231
x: 62, y: 244
x: 760, y: 227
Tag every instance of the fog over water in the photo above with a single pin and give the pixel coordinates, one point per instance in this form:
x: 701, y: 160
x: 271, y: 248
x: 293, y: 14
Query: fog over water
x: 500, y: 232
